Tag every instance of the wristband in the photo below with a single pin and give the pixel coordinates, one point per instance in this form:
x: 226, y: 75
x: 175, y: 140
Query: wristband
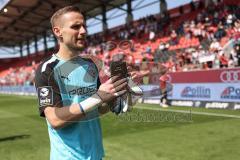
x: 90, y: 103
x: 81, y: 108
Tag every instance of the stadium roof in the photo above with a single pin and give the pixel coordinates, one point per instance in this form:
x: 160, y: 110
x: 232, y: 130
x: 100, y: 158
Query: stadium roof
x: 28, y: 18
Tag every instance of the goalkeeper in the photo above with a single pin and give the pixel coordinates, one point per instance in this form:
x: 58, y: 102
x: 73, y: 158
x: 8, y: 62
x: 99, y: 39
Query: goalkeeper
x: 70, y: 94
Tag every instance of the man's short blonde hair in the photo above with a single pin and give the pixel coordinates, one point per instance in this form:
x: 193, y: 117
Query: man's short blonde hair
x: 61, y: 12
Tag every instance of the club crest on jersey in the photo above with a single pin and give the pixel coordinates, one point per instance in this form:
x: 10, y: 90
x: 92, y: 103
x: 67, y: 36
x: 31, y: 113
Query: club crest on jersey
x: 45, y: 96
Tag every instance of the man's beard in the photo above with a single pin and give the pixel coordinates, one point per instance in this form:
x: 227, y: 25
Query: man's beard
x: 77, y: 48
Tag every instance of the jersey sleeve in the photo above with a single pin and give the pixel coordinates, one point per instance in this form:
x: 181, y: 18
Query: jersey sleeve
x: 48, y: 93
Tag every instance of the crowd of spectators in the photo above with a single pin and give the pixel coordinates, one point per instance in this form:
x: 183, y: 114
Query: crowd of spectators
x: 212, y: 27
x: 23, y: 75
x: 215, y: 28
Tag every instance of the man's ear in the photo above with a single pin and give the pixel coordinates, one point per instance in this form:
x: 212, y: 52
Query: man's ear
x: 57, y: 31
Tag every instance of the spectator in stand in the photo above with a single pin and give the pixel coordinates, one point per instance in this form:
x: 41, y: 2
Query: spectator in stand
x: 237, y: 12
x: 229, y: 21
x: 201, y: 51
x: 132, y: 32
x: 163, y: 48
x: 214, y: 46
x: 223, y: 61
x: 231, y: 61
x: 237, y: 49
x: 234, y: 55
x: 236, y: 27
x: 210, y: 33
x: 216, y: 62
x: 195, y: 55
x: 187, y: 31
x: 198, y: 3
x: 152, y: 35
x: 154, y: 68
x: 205, y: 66
x: 196, y: 30
x: 200, y: 17
x: 173, y: 38
x: 220, y: 32
x: 148, y: 49
x: 170, y: 64
x: 216, y: 19
x: 180, y: 29
x: 140, y: 29
x: 192, y: 25
x: 207, y: 22
x: 126, y: 35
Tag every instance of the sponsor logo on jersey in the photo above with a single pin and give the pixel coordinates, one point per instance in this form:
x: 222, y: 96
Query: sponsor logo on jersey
x: 45, y: 96
x: 83, y: 91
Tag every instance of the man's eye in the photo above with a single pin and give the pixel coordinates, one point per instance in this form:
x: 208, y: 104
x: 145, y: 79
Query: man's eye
x: 76, y: 26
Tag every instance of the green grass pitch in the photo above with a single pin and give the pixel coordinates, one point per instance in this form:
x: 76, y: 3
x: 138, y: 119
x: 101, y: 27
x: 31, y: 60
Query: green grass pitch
x: 139, y: 135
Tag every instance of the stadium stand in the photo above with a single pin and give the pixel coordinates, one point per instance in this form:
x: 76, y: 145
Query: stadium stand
x: 190, y: 37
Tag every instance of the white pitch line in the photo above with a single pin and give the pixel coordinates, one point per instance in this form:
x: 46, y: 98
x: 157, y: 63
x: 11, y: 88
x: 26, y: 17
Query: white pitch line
x: 190, y: 111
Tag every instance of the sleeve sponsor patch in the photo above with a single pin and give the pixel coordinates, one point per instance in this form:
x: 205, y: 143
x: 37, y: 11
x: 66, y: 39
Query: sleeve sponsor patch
x: 45, y: 96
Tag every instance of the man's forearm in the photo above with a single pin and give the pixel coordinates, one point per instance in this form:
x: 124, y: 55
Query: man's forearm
x: 58, y: 117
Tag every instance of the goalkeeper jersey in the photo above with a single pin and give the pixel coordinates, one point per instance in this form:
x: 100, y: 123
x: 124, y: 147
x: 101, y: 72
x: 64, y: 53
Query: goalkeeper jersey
x: 62, y: 83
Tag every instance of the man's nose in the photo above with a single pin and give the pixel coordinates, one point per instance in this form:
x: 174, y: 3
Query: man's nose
x: 83, y: 30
